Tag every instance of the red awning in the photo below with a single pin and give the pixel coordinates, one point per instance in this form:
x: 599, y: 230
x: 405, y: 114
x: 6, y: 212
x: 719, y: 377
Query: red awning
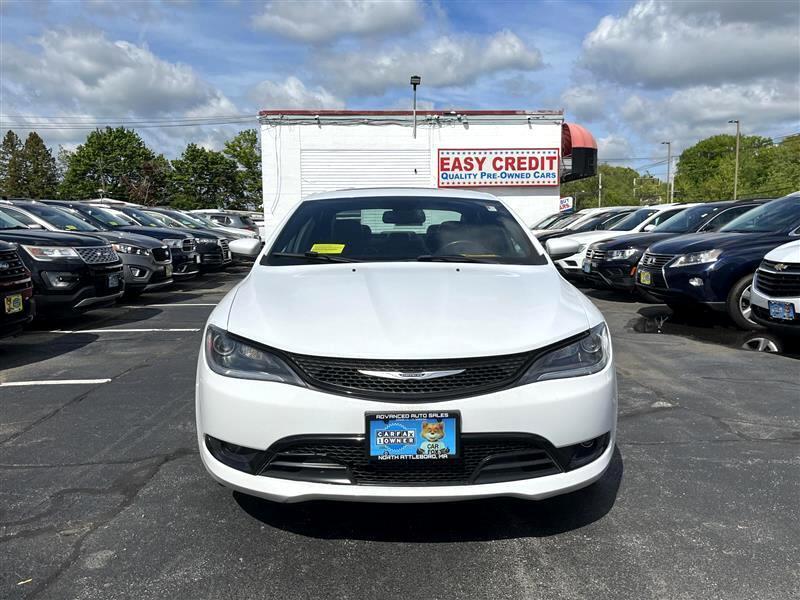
x: 575, y: 136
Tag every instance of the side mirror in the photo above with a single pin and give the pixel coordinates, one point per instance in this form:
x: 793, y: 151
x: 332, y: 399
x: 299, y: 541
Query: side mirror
x: 649, y: 227
x: 245, y: 247
x: 559, y: 248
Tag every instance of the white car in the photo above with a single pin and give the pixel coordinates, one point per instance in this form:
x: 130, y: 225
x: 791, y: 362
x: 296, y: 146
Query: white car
x: 402, y: 345
x: 644, y: 219
x: 775, y: 295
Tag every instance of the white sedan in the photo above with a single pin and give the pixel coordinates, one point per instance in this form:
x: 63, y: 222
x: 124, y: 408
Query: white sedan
x: 402, y: 345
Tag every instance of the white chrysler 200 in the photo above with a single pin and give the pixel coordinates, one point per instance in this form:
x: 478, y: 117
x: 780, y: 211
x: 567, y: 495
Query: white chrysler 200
x: 403, y: 345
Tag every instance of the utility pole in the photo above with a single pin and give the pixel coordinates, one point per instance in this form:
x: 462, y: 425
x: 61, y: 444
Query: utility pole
x: 415, y: 81
x: 669, y: 170
x: 736, y: 170
x: 599, y: 189
x: 634, y: 190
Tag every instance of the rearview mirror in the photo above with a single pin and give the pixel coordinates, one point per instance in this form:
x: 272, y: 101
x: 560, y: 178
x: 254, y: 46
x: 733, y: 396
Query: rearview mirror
x: 245, y: 247
x: 559, y: 248
x: 649, y: 227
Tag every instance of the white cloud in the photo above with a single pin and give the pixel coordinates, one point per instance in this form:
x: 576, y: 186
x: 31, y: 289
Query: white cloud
x: 293, y: 93
x: 694, y: 113
x: 585, y: 102
x: 318, y: 21
x: 446, y: 61
x: 613, y: 146
x: 660, y: 44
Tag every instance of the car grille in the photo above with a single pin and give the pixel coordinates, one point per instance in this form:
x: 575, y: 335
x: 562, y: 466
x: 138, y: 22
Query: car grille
x: 477, y: 375
x: 11, y: 267
x: 655, y: 261
x: 161, y: 254
x: 95, y: 255
x: 596, y: 255
x: 780, y: 284
x: 484, y: 458
x: 226, y: 253
x: 189, y: 245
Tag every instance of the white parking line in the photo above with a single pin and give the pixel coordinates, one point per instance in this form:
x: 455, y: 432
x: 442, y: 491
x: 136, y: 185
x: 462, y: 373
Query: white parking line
x: 54, y: 382
x: 111, y: 330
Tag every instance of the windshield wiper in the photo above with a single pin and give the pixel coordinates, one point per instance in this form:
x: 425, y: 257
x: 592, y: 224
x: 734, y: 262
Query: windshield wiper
x: 14, y: 227
x: 452, y: 258
x: 314, y: 256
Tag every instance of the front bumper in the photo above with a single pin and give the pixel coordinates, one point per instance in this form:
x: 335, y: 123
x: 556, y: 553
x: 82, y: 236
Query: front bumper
x: 617, y: 275
x: 92, y: 289
x: 142, y: 271
x: 572, y: 266
x: 760, y: 305
x: 12, y: 323
x: 257, y: 414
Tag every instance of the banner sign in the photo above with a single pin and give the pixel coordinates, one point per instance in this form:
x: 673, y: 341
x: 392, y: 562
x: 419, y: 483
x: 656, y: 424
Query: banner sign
x: 565, y: 204
x: 460, y: 167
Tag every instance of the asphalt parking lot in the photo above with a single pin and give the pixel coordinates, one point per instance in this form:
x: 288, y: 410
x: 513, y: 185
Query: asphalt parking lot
x: 103, y: 494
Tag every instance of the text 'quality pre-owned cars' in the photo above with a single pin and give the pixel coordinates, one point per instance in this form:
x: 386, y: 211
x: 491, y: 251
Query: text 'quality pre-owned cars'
x: 405, y: 345
x: 70, y: 272
x: 717, y: 269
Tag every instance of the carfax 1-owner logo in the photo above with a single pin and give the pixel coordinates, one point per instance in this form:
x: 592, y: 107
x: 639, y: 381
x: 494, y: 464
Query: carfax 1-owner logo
x: 412, y: 436
x: 459, y: 167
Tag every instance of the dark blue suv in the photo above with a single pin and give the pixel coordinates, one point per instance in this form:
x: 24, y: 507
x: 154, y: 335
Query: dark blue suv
x: 716, y: 269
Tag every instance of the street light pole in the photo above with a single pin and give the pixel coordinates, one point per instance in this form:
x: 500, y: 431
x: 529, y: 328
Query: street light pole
x: 669, y: 171
x: 415, y: 81
x: 599, y: 188
x: 736, y: 169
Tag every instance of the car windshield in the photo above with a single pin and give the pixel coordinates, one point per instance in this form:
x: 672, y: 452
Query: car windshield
x: 58, y: 218
x: 772, y: 217
x: 548, y: 220
x: 689, y: 220
x: 164, y: 220
x: 141, y: 217
x: 9, y: 222
x: 205, y: 221
x: 373, y: 229
x: 106, y: 217
x: 635, y: 218
x: 184, y: 220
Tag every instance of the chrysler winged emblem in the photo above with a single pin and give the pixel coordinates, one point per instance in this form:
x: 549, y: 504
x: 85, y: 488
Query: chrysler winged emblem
x: 418, y: 375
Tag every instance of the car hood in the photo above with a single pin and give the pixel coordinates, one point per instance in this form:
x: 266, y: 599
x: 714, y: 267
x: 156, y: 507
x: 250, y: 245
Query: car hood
x: 162, y: 233
x: 789, y: 253
x: 37, y: 237
x: 117, y: 236
x: 698, y: 242
x: 638, y: 240
x: 406, y: 310
x: 589, y: 237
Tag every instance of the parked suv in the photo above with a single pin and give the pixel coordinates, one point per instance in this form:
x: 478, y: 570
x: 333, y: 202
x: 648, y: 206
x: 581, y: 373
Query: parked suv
x: 182, y: 245
x: 147, y: 264
x: 613, y: 263
x: 229, y: 219
x: 70, y: 272
x: 776, y: 289
x: 16, y: 291
x: 211, y: 246
x: 717, y: 269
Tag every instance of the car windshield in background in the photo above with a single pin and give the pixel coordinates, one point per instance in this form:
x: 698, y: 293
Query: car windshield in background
x: 107, y: 217
x: 205, y: 221
x: 9, y: 222
x: 776, y: 216
x: 141, y: 217
x: 635, y: 218
x: 164, y: 220
x: 688, y: 220
x: 184, y: 220
x: 403, y: 229
x: 59, y: 218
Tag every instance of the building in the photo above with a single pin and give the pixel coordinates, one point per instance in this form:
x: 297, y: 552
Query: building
x: 521, y: 156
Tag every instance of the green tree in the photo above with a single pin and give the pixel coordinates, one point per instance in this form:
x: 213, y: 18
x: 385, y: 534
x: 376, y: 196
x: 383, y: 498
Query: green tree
x: 706, y: 170
x: 39, y: 171
x: 783, y: 170
x: 110, y: 163
x: 617, y: 188
x: 203, y: 178
x: 244, y: 149
x: 11, y: 178
x: 149, y: 187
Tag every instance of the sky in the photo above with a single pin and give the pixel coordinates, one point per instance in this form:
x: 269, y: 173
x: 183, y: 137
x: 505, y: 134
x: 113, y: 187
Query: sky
x: 635, y: 73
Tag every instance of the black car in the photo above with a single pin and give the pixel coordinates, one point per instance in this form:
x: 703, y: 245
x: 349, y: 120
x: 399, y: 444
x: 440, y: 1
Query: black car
x: 182, y: 245
x: 16, y: 291
x: 212, y: 245
x: 146, y: 261
x: 597, y: 222
x: 613, y: 263
x: 70, y: 272
x: 716, y: 270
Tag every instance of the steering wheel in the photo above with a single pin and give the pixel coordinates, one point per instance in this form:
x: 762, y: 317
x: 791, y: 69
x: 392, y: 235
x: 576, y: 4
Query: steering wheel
x: 463, y: 247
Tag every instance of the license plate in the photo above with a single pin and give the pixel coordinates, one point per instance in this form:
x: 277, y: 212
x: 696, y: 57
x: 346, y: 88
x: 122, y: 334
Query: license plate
x: 645, y: 278
x: 168, y: 271
x: 413, y: 436
x: 13, y: 304
x: 113, y: 280
x: 587, y: 266
x: 781, y: 310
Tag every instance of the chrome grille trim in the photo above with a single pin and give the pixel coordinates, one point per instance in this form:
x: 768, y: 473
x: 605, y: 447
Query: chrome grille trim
x: 651, y: 260
x: 96, y: 255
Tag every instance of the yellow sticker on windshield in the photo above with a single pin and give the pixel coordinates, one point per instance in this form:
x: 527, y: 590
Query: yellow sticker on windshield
x: 70, y: 227
x: 327, y: 248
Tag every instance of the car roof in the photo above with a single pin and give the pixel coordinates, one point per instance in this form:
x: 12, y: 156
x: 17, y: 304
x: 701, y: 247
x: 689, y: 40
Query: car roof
x: 408, y: 192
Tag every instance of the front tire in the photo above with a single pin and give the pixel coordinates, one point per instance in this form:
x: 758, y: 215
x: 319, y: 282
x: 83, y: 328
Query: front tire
x: 738, y: 304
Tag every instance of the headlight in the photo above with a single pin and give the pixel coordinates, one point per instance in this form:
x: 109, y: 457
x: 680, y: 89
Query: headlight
x: 622, y: 254
x: 51, y: 252
x: 586, y: 356
x: 207, y: 241
x: 697, y: 258
x: 174, y: 243
x: 233, y: 357
x: 130, y: 249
